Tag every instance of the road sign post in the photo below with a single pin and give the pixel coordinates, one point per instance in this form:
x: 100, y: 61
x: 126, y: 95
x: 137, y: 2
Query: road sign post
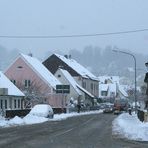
x: 63, y: 89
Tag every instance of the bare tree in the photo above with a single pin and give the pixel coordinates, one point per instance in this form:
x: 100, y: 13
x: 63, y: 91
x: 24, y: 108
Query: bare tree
x: 33, y: 93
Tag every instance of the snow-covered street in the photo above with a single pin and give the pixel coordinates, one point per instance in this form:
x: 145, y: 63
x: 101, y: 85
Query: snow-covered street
x: 130, y: 127
x: 125, y: 125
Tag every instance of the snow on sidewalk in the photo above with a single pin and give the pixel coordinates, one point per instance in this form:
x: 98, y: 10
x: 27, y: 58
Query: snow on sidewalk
x: 31, y: 119
x: 130, y: 127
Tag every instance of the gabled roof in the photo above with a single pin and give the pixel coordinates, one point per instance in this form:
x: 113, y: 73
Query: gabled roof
x: 112, y: 87
x: 6, y: 83
x: 41, y: 70
x: 85, y: 91
x: 103, y: 87
x: 77, y: 67
x: 103, y: 78
x: 122, y: 91
x: 71, y: 80
x: 75, y: 85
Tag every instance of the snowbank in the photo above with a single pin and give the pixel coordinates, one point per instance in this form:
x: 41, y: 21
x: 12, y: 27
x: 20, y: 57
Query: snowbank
x: 32, y: 119
x: 129, y: 126
x: 64, y: 116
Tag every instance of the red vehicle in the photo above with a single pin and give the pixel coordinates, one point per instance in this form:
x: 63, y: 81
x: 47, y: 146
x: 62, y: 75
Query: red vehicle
x: 121, y: 104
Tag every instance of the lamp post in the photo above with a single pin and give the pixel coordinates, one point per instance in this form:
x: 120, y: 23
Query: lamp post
x: 146, y: 81
x: 134, y: 58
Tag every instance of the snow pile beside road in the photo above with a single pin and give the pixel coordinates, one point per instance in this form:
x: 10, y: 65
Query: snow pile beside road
x: 29, y: 119
x: 32, y: 119
x: 129, y: 126
x: 64, y: 116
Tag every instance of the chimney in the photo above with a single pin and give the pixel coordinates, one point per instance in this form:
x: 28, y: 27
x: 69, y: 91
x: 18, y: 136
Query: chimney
x: 66, y: 56
x: 70, y: 56
x: 30, y: 54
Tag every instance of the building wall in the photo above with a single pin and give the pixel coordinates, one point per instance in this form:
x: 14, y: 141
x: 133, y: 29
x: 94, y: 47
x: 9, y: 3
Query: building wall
x: 11, y: 102
x: 88, y: 84
x: 53, y: 63
x: 20, y: 71
x: 73, y: 93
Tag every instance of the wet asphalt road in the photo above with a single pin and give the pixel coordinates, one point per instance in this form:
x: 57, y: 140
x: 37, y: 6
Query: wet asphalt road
x: 88, y: 131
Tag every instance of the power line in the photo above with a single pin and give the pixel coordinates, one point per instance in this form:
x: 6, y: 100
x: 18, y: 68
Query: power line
x: 74, y: 35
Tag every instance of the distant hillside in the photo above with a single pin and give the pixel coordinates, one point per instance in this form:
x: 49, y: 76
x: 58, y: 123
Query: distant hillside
x: 99, y: 61
x: 106, y: 62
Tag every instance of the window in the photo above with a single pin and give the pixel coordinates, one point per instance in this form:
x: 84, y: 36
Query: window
x: 19, y: 67
x: 27, y: 83
x: 18, y: 103
x: 91, y: 86
x: 59, y: 76
x: 97, y: 87
x: 13, y: 81
x: 84, y: 84
x: 5, y: 104
x: 1, y: 104
x: 14, y: 103
x: 103, y: 93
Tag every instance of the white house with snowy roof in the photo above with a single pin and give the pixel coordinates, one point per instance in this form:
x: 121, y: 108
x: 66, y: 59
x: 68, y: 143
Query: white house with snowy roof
x: 81, y: 75
x: 34, y: 79
x: 11, y: 98
x: 77, y: 93
x: 110, y: 88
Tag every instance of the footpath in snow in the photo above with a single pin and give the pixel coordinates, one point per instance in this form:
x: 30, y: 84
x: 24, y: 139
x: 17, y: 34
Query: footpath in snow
x: 130, y: 127
x: 31, y: 119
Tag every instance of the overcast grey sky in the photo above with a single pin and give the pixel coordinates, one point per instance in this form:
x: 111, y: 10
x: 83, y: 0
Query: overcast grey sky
x: 67, y: 17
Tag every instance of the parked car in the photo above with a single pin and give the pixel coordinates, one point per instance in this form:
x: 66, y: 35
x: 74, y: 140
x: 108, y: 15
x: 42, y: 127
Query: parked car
x: 108, y: 109
x: 117, y: 112
x: 42, y: 110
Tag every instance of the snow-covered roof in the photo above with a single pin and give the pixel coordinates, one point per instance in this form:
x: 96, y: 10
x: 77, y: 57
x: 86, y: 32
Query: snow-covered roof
x: 77, y: 67
x: 121, y: 89
x: 112, y: 87
x: 103, y: 87
x: 85, y: 91
x: 71, y: 80
x: 41, y: 70
x: 75, y: 85
x: 113, y: 79
x: 103, y: 78
x: 6, y: 83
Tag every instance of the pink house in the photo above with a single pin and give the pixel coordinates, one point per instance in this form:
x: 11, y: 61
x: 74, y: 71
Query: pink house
x: 37, y: 83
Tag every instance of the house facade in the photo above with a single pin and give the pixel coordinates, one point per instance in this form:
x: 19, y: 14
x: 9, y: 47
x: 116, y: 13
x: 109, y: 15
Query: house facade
x: 77, y: 94
x: 37, y: 83
x: 81, y: 75
x: 110, y: 88
x: 11, y: 98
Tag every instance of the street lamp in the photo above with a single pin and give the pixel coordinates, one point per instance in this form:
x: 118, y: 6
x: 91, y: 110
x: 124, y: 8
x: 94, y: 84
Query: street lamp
x: 127, y: 53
